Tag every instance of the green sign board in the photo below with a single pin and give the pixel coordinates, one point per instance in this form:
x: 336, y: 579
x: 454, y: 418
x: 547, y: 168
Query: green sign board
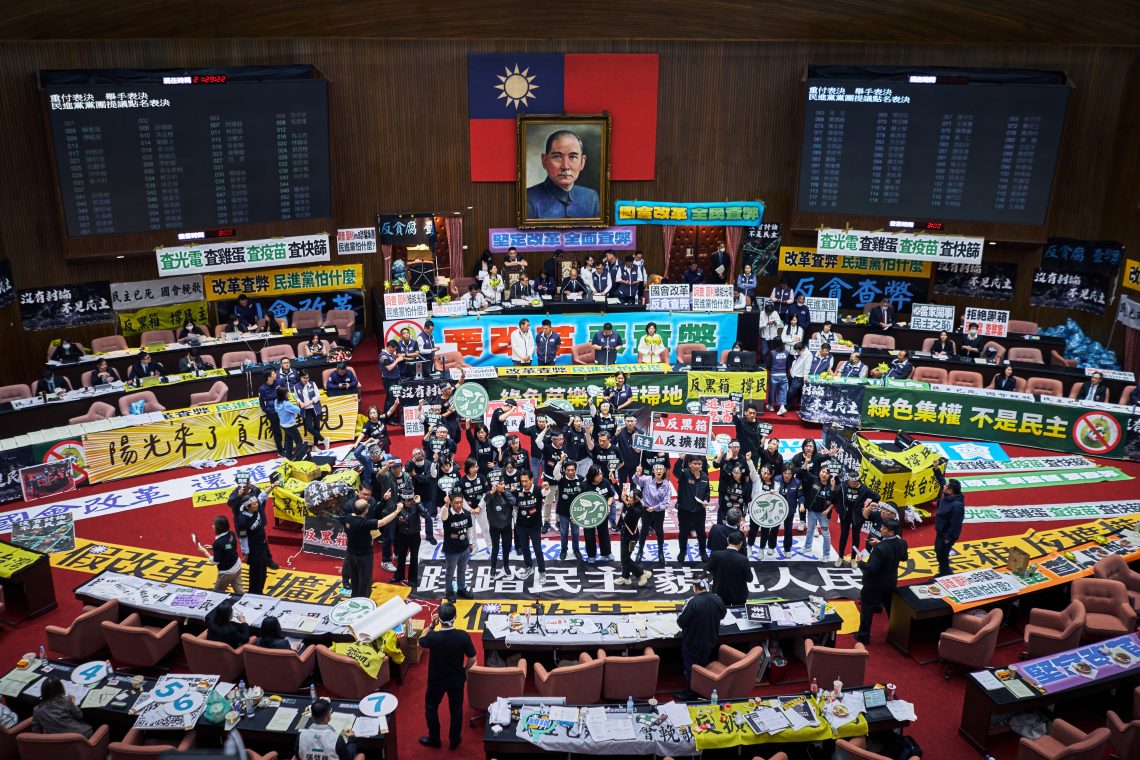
x: 589, y: 509
x: 470, y: 401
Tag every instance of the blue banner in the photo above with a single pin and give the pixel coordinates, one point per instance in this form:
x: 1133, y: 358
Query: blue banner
x: 486, y: 340
x: 728, y: 214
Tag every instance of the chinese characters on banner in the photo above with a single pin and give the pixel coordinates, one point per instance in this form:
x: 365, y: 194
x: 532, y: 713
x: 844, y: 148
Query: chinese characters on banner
x: 993, y: 323
x: 407, y: 229
x: 760, y: 247
x: 1085, y: 256
x: 749, y: 385
x: 680, y: 433
x: 355, y: 240
x: 325, y: 536
x: 1128, y: 312
x: 1131, y: 274
x: 140, y: 320
x: 247, y: 254
x: 7, y: 286
x: 730, y: 214
x: 670, y: 297
x: 1069, y: 290
x: 931, y: 317
x: 832, y: 403
x: 856, y: 291
x: 719, y: 409
x: 277, y: 282
x: 822, y: 309
x: 990, y: 279
x: 63, y: 306
x: 659, y: 391
x: 797, y: 259
x: 979, y: 584
x: 283, y: 306
x: 410, y: 305
x: 541, y: 241
x: 901, y: 245
x: 54, y: 533
x: 712, y: 298
x: 172, y: 290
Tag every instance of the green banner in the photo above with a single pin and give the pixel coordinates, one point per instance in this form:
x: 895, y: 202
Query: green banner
x: 664, y: 392
x: 1070, y: 427
x: 1004, y: 482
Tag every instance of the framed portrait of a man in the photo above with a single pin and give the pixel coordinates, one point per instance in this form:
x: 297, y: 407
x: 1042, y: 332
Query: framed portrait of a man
x: 563, y: 171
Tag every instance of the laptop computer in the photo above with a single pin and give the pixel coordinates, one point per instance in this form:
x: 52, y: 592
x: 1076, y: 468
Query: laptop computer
x: 741, y: 360
x: 703, y: 359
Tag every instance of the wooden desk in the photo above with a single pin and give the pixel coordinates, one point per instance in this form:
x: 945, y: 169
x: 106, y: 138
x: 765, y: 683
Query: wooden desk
x: 25, y: 576
x: 912, y: 340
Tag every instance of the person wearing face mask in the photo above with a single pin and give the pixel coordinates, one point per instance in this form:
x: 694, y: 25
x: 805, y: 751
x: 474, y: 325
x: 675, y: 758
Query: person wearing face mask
x: 972, y: 342
x: 720, y: 264
x: 189, y: 329
x: 49, y: 383
x: 67, y: 351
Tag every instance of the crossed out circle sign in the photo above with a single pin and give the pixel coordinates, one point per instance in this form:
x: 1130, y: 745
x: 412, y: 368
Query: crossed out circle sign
x: 470, y: 401
x: 1096, y: 432
x: 768, y: 510
x: 589, y: 509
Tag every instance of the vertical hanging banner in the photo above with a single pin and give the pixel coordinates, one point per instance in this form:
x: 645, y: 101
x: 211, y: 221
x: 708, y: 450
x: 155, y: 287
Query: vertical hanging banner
x: 902, y: 245
x: 1131, y: 274
x: 1069, y: 290
x: 241, y: 254
x: 1128, y: 312
x: 760, y: 247
x: 355, y: 240
x: 135, y: 295
x: 63, y: 306
x: 1084, y: 256
x: 7, y: 286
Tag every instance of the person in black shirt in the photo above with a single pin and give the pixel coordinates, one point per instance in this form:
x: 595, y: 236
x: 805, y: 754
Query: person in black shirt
x: 499, y: 506
x: 271, y: 637
x: 423, y: 484
x: 972, y: 342
x: 245, y: 490
x: 104, y: 374
x: 1006, y: 381
x: 221, y: 627
x: 479, y: 439
x: 880, y: 576
x: 251, y: 521
x: 223, y: 555
x: 731, y: 571
x: 631, y: 511
x: 514, y: 452
x: 528, y: 525
x: 699, y: 621
x: 189, y: 329
x: 821, y: 494
x: 569, y: 486
x: 452, y: 655
x: 692, y: 501
x: 408, y: 532
x: 49, y: 383
x: 458, y: 543
x: 193, y: 362
x: 853, y: 497
x: 748, y: 431
x: 598, y: 539
x: 720, y: 533
x: 266, y: 399
x: 943, y: 347
x: 359, y: 531
x: 67, y: 350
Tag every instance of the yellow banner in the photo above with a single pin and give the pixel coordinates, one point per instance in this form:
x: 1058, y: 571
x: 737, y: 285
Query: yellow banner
x: 367, y: 656
x: 1131, y: 274
x: 218, y: 431
x: 728, y: 715
x: 169, y: 317
x: 13, y: 559
x: 797, y: 259
x: 279, y: 282
x: 750, y: 385
x: 914, y: 485
x: 580, y: 369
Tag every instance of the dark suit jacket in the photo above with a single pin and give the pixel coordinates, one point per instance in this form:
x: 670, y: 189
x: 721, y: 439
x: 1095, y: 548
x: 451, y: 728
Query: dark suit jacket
x: 881, y: 570
x: 877, y: 316
x: 1100, y: 394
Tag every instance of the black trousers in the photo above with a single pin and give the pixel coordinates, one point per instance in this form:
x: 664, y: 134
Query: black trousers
x: 407, y: 544
x: 433, y: 698
x: 652, y: 522
x: 312, y: 424
x: 360, y: 574
x: 598, y: 540
x: 530, y: 540
x: 942, y: 547
x: 501, y: 536
x: 293, y: 440
x: 629, y: 567
x: 274, y: 429
x: 258, y: 561
x: 690, y: 656
x: 854, y: 528
x: 870, y: 602
x: 689, y: 522
x: 791, y: 518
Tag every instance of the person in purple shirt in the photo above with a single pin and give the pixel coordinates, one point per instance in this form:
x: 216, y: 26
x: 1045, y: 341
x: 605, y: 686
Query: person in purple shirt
x: 656, y: 495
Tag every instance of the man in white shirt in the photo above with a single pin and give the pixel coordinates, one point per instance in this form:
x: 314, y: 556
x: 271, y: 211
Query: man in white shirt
x: 522, y: 345
x: 473, y: 300
x: 770, y: 326
x: 800, y: 366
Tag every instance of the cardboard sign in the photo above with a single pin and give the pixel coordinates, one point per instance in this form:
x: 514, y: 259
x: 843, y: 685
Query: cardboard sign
x: 680, y: 433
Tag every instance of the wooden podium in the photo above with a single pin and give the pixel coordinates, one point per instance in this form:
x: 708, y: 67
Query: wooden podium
x: 25, y: 576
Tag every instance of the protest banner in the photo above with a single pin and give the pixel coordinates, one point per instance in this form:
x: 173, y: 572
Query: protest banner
x: 7, y: 285
x: 749, y: 385
x: 54, y: 533
x: 712, y: 298
x: 173, y: 317
x: 680, y: 433
x: 801, y: 259
x: 904, y: 478
x: 670, y: 297
x: 854, y: 291
x: 728, y: 214
x: 352, y: 241
x: 931, y: 317
x: 324, y: 535
x: 1008, y: 481
x: 991, y: 279
x: 548, y: 241
x: 1079, y: 291
x: 1052, y: 512
x: 1087, y: 256
x: 410, y: 305
x: 992, y: 323
x: 233, y: 255
x: 901, y: 245
x: 663, y: 391
x: 1075, y: 668
x: 284, y: 282
x: 172, y: 290
x: 832, y: 403
x: 65, y: 306
x: 1018, y: 464
x: 979, y: 584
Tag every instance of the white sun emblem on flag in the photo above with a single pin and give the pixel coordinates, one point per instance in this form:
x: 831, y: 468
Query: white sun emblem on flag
x: 516, y: 86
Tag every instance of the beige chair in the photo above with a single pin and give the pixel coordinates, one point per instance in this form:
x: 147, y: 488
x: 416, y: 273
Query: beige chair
x: 84, y: 637
x: 829, y: 664
x: 999, y: 350
x: 1022, y: 327
x: 964, y: 378
x: 344, y: 677
x: 580, y: 684
x: 485, y: 685
x: 1108, y: 611
x: 1019, y: 383
x: 970, y: 640
x: 1045, y: 386
x: 9, y: 750
x: 154, y: 336
x: 635, y: 676
x: 581, y: 353
x: 234, y: 359
x: 277, y: 353
x: 1125, y: 736
x: 875, y: 340
x: 1025, y: 354
x: 108, y: 343
x: 931, y: 375
x: 855, y: 748
x: 1065, y: 742
x: 15, y: 392
x: 1124, y: 394
x: 218, y: 393
x: 138, y: 743
x: 685, y: 351
x: 306, y: 319
x: 1049, y: 632
x: 1114, y: 568
x: 205, y: 656
x: 344, y: 320
x: 152, y: 404
x: 278, y: 670
x: 99, y: 410
x: 64, y: 746
x: 732, y: 674
x: 132, y: 643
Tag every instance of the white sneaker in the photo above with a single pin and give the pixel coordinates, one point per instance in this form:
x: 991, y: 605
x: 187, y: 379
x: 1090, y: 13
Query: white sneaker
x: 770, y: 552
x: 839, y: 561
x: 769, y: 407
x: 623, y: 581
x: 645, y: 576
x: 526, y: 572
x: 854, y: 562
x: 781, y: 411
x: 388, y: 566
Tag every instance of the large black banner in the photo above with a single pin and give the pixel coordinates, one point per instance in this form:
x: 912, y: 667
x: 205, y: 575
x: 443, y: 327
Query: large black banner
x: 990, y: 279
x: 832, y: 404
x: 7, y: 287
x: 407, y: 229
x: 855, y: 291
x: 11, y: 462
x: 61, y: 306
x: 1084, y: 256
x: 284, y: 305
x: 760, y: 247
x: 324, y: 536
x: 1069, y: 290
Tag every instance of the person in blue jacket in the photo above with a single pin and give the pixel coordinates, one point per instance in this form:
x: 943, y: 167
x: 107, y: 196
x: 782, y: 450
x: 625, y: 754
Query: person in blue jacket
x: 266, y: 398
x: 343, y: 379
x: 948, y: 523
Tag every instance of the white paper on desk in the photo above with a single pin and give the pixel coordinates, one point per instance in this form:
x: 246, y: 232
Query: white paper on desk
x: 901, y: 710
x: 341, y: 721
x: 366, y: 726
x: 100, y: 697
x: 987, y: 680
x: 626, y: 631
x: 854, y: 702
x: 16, y: 681
x: 729, y: 618
x: 1018, y: 689
x: 666, y: 626
x: 75, y: 691
x: 282, y: 719
x: 498, y: 626
x: 677, y: 713
x: 802, y: 614
x: 560, y: 714
x: 781, y: 616
x: 796, y: 720
x: 615, y: 729
x: 774, y: 721
x: 223, y: 688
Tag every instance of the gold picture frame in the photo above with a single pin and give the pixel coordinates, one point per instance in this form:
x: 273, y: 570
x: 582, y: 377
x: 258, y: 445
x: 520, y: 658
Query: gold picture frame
x: 560, y: 184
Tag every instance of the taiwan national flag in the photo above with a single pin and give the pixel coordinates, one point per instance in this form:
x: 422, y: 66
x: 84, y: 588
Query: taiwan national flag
x: 499, y: 86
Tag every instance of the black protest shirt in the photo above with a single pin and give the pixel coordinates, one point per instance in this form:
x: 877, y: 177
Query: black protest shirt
x: 473, y: 490
x: 731, y: 572
x: 449, y: 649
x: 568, y: 488
x: 528, y: 508
x: 225, y: 551
x: 607, y: 460
x: 358, y: 530
x: 455, y: 530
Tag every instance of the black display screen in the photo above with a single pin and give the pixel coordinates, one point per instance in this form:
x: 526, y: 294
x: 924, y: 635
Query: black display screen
x: 952, y: 148
x: 147, y: 154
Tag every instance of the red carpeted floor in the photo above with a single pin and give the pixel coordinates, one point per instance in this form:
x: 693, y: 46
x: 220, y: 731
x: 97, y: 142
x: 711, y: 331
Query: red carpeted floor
x: 937, y: 701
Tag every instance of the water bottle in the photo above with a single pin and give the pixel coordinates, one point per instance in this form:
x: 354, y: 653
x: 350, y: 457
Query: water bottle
x: 239, y: 698
x: 714, y: 700
x: 313, y: 692
x: 629, y: 704
x: 814, y: 687
x: 42, y: 653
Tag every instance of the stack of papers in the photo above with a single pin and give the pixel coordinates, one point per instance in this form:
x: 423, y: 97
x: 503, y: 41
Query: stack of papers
x: 369, y: 726
x: 282, y: 719
x: 560, y: 714
x: 605, y: 728
x: 16, y: 681
x: 987, y: 680
x: 666, y: 626
x: 677, y: 713
x: 901, y: 710
x: 100, y: 697
x: 767, y: 720
x: 341, y: 721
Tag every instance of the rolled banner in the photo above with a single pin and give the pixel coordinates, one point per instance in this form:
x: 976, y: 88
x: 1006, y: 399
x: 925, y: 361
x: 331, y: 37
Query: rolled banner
x: 384, y: 618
